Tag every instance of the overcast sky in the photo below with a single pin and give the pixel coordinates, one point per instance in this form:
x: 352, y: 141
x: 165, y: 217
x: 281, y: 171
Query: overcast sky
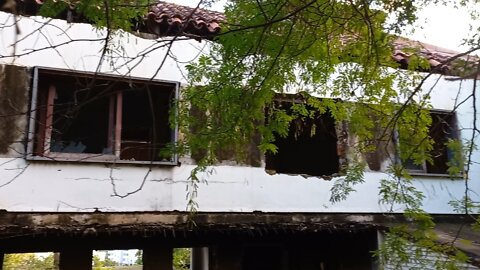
x: 443, y: 26
x: 438, y: 25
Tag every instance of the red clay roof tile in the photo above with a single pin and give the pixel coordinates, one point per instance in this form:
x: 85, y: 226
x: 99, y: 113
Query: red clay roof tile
x: 168, y: 19
x: 171, y: 19
x: 438, y: 57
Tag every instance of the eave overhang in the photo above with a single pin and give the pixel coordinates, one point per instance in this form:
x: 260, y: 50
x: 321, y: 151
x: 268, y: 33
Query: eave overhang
x: 169, y: 19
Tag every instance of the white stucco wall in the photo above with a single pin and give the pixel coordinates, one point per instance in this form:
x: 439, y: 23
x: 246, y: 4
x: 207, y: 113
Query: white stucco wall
x: 70, y: 187
x: 58, y: 44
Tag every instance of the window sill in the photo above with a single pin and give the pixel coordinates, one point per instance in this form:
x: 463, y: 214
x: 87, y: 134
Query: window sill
x: 95, y: 158
x: 436, y: 175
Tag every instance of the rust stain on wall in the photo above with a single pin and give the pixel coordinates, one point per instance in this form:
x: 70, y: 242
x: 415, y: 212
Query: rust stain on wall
x: 341, y: 129
x: 251, y: 155
x: 14, y: 83
x: 383, y: 147
x: 254, y: 155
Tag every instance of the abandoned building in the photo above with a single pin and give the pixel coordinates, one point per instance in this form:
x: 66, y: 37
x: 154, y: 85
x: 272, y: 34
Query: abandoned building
x: 79, y: 178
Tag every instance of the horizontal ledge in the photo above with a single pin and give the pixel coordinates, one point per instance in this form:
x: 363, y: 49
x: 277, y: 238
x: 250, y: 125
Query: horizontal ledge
x: 97, y: 159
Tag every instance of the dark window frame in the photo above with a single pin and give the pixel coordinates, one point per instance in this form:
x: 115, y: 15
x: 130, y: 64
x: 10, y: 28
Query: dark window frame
x: 425, y: 169
x: 113, y: 157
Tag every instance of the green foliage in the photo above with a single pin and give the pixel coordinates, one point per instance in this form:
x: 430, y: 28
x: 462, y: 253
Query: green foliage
x: 53, y: 8
x: 197, y: 176
x: 457, y: 162
x: 399, y: 190
x: 181, y: 258
x: 343, y: 186
x: 109, y: 262
x: 465, y: 205
x: 27, y: 261
x: 139, y: 257
x: 255, y: 59
x: 114, y: 14
x: 413, y: 127
x: 98, y: 264
x: 339, y: 51
x: 416, y: 248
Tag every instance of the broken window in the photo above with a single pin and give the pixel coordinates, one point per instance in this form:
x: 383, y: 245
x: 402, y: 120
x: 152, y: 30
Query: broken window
x: 310, y: 147
x: 78, y: 116
x: 442, y: 129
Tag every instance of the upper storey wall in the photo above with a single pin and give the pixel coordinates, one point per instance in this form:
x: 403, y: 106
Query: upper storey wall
x: 56, y: 186
x: 37, y: 41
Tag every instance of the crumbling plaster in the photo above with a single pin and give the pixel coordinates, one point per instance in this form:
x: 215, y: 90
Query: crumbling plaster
x: 79, y: 187
x: 14, y: 85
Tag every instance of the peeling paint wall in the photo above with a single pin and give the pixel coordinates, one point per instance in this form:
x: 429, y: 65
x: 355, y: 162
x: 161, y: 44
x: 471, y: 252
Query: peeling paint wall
x: 341, y: 129
x: 384, y: 150
x: 251, y: 156
x: 14, y: 85
x: 78, y: 46
x: 79, y: 187
x: 376, y: 160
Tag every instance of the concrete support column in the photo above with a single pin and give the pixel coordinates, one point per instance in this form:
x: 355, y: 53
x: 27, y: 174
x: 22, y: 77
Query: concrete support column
x: 158, y: 259
x: 56, y: 261
x: 75, y: 259
x: 377, y: 263
x: 199, y: 258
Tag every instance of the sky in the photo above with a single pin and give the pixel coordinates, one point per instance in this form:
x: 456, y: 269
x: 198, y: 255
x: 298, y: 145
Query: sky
x: 443, y: 26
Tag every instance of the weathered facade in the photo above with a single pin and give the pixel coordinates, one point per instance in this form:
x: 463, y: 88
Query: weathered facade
x: 72, y: 186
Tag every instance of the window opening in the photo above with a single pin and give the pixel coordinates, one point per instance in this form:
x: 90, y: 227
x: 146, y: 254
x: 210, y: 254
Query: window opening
x: 442, y: 129
x: 142, y: 139
x: 79, y: 124
x: 84, y: 117
x: 25, y: 261
x: 116, y: 259
x: 310, y: 147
